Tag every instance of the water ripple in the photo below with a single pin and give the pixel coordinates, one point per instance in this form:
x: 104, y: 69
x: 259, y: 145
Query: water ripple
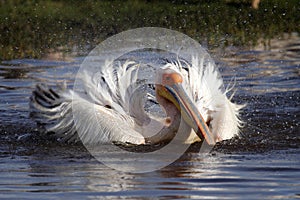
x: 262, y: 164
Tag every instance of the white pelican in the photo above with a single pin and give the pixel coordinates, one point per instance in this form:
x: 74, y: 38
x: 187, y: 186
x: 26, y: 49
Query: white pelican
x: 191, y: 91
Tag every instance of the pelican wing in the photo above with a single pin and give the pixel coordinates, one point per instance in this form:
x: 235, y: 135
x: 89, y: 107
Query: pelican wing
x: 118, y: 87
x: 212, y: 101
x: 70, y: 118
x: 107, y: 110
x: 97, y: 124
x: 53, y: 112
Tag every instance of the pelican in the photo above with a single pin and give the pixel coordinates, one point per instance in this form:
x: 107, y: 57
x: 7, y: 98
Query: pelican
x: 111, y: 107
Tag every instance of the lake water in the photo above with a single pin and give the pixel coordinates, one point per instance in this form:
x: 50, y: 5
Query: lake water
x: 264, y: 163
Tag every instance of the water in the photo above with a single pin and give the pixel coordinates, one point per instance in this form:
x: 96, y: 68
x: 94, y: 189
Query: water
x: 262, y: 164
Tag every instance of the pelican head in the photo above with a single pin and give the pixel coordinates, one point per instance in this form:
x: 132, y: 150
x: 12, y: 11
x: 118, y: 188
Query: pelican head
x: 169, y: 86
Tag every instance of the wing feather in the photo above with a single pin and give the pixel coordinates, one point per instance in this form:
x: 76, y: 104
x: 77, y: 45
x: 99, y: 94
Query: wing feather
x: 100, y: 114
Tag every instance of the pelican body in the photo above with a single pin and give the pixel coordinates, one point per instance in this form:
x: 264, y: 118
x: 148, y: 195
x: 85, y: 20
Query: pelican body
x: 113, y: 107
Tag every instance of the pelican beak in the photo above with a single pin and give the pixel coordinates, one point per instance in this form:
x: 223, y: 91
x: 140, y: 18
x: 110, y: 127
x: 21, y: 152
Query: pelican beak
x: 175, y: 93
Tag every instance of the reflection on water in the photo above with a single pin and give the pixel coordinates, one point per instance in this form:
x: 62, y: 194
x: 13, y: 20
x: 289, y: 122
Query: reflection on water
x: 59, y: 172
x: 263, y: 163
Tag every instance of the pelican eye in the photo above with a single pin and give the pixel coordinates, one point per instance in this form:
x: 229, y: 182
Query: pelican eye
x: 168, y: 121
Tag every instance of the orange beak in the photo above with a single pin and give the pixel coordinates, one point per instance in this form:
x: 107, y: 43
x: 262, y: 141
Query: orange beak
x: 174, y: 92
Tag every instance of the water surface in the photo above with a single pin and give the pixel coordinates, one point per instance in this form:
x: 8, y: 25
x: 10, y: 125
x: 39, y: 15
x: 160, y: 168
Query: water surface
x: 262, y: 164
